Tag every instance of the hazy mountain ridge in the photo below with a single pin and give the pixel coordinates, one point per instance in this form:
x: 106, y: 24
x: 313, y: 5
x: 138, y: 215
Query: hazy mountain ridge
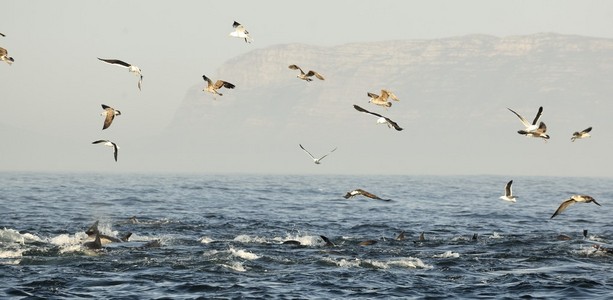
x: 453, y: 98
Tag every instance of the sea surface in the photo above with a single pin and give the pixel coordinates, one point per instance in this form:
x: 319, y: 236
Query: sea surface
x: 222, y: 237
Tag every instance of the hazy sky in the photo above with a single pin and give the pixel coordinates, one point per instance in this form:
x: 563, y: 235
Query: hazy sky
x: 56, y: 85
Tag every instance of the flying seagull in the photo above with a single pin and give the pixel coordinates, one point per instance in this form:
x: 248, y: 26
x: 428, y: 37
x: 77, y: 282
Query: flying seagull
x: 574, y: 199
x: 535, y: 123
x: 363, y: 193
x: 508, y: 193
x: 131, y: 68
x: 308, y: 75
x: 4, y: 56
x: 382, y: 100
x: 212, y: 88
x: 109, y: 114
x: 316, y: 160
x: 241, y: 32
x: 540, y: 132
x: 581, y: 134
x: 110, y: 144
x: 381, y: 120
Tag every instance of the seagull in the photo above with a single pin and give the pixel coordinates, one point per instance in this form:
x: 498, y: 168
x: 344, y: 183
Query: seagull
x: 574, y: 199
x: 110, y: 144
x: 241, y: 32
x: 4, y: 56
x: 381, y: 120
x: 581, y: 134
x: 533, y: 126
x: 540, y: 132
x: 508, y: 193
x: 317, y: 161
x: 212, y: 88
x: 306, y: 76
x: 363, y: 193
x: 382, y: 100
x: 131, y: 68
x: 109, y: 114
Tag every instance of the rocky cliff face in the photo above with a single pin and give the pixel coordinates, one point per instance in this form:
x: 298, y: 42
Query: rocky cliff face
x: 450, y: 90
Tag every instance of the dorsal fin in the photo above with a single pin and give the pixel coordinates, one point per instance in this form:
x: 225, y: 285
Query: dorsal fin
x: 327, y: 240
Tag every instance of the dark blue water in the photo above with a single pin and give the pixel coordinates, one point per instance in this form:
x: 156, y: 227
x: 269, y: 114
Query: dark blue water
x: 222, y: 237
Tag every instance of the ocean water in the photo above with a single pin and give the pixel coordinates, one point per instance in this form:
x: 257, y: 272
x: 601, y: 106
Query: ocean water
x: 221, y: 236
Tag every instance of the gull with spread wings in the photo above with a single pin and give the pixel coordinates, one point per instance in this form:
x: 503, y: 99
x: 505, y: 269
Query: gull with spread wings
x: 381, y: 120
x: 317, y: 161
x: 241, y: 32
x: 574, y: 199
x: 382, y: 100
x: 131, y: 68
x: 308, y: 75
x: 212, y: 88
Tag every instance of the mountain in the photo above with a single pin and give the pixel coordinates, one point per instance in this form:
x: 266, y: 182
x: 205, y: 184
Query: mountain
x: 454, y: 93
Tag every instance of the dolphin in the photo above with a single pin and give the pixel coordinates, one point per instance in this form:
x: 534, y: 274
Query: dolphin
x: 400, y: 236
x: 291, y: 242
x: 96, y: 244
x: 367, y: 243
x: 93, y: 231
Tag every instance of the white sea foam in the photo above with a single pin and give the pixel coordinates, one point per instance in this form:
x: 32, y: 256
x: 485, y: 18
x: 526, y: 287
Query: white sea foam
x: 249, y: 239
x: 447, y: 254
x: 243, y: 254
x: 495, y: 235
x: 206, y: 240
x: 236, y: 266
x: 10, y: 236
x: 305, y: 240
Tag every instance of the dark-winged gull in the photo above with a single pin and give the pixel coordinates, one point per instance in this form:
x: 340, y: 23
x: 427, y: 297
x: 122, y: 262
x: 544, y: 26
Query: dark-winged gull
x: 585, y: 133
x: 131, y: 68
x: 241, y: 32
x: 573, y: 199
x: 109, y: 144
x: 381, y: 120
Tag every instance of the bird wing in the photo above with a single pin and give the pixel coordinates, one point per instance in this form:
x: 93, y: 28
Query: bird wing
x: 327, y: 154
x: 209, y: 81
x: 110, y: 115
x: 587, y: 130
x: 309, y: 153
x: 368, y: 112
x: 236, y: 24
x: 115, y: 150
x: 311, y: 73
x: 369, y: 195
x: 394, y: 124
x: 2, y: 34
x: 115, y: 62
x: 221, y: 83
x: 295, y: 67
x: 542, y: 128
x: 372, y: 95
x: 563, y: 207
x: 508, y: 190
x: 523, y: 121
x: 390, y: 94
x: 99, y: 141
x: 140, y: 82
x: 3, y: 52
x: 538, y: 116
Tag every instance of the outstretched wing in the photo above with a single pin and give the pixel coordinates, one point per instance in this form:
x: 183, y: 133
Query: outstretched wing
x: 110, y: 115
x: 115, y: 62
x: 99, y: 141
x: 538, y: 116
x: 394, y: 124
x: 523, y: 121
x: 209, y: 81
x: 508, y: 190
x: 311, y: 73
x: 307, y: 152
x: 587, y: 130
x: 368, y: 112
x: 563, y: 207
x: 327, y: 154
x: 295, y: 67
x: 387, y: 93
x: 221, y: 83
x: 372, y: 95
x: 369, y: 195
x: 236, y: 24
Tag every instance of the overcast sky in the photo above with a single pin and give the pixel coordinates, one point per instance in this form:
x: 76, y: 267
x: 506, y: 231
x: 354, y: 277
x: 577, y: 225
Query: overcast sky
x: 56, y: 85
